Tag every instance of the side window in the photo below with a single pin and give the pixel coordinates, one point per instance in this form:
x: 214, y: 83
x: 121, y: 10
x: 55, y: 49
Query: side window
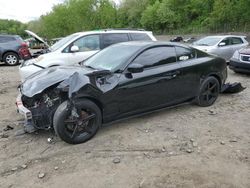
x: 236, y: 40
x: 227, y: 41
x: 139, y: 36
x: 109, y: 39
x: 184, y: 53
x: 156, y: 56
x: 88, y: 43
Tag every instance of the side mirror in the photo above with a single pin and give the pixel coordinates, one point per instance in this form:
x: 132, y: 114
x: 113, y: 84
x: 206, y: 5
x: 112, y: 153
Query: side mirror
x: 135, y: 68
x: 74, y: 49
x: 222, y: 44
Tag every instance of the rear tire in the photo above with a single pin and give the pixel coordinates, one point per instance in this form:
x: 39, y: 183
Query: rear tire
x: 11, y: 58
x: 76, y: 130
x: 209, y: 92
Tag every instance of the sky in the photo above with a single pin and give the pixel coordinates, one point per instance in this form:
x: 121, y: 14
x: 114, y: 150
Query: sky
x: 26, y: 10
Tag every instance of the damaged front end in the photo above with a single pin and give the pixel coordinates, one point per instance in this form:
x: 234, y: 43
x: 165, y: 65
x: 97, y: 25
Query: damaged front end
x: 39, y: 109
x: 40, y: 96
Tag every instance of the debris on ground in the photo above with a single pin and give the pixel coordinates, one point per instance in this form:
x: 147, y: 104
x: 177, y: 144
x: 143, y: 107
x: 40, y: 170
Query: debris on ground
x: 2, y: 135
x: 24, y: 166
x: 41, y: 175
x: 187, y: 147
x: 56, y: 168
x: 233, y: 140
x: 212, y: 112
x: 163, y: 149
x: 116, y: 160
x: 14, y: 169
x: 8, y: 127
x: 50, y: 140
x: 232, y: 88
x: 222, y: 143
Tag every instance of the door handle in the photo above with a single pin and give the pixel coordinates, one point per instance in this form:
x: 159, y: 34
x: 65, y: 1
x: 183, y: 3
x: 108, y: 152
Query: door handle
x: 172, y: 74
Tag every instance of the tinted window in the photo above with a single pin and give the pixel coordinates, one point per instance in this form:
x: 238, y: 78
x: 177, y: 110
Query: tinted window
x: 88, y: 43
x: 156, y: 56
x: 139, y: 36
x: 184, y: 53
x: 236, y: 40
x: 109, y: 39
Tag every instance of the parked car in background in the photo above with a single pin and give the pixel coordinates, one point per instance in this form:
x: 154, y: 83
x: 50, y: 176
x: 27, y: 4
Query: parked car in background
x: 240, y: 62
x: 123, y: 80
x: 13, y: 49
x: 77, y: 47
x: 177, y: 39
x: 223, y: 46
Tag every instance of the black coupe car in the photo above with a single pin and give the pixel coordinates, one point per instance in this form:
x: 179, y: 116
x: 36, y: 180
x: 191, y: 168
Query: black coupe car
x: 120, y: 81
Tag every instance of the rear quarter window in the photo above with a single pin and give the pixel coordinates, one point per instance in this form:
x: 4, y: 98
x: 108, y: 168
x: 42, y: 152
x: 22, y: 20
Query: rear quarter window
x: 139, y: 36
x: 236, y: 40
x: 113, y: 38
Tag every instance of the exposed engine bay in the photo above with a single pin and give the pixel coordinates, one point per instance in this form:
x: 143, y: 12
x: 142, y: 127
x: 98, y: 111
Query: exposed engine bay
x: 43, y: 106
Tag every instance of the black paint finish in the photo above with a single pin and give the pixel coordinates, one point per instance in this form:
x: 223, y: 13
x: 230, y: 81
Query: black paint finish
x: 120, y: 94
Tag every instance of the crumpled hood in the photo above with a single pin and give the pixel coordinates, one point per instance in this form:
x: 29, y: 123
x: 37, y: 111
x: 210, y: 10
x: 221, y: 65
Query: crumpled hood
x: 45, y: 78
x: 245, y: 51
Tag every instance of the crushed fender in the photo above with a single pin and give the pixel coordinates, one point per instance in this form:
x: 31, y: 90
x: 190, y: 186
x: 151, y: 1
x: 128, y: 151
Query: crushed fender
x: 229, y: 88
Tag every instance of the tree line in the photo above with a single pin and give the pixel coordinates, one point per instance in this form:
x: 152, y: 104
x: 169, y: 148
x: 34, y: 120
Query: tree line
x: 160, y: 16
x: 12, y: 27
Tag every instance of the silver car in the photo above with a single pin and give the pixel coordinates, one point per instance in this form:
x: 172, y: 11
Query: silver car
x: 223, y: 46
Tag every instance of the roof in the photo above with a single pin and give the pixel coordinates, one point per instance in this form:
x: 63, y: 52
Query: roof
x: 113, y: 31
x: 222, y: 36
x: 152, y: 43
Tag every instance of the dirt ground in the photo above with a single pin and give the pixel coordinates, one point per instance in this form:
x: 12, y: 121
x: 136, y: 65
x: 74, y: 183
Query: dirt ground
x: 182, y: 147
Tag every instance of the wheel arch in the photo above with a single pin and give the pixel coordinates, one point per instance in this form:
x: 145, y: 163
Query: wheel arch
x: 12, y: 51
x: 217, y: 77
x: 94, y: 100
x: 213, y: 74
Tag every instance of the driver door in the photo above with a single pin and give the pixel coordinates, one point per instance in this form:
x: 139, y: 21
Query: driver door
x: 156, y: 86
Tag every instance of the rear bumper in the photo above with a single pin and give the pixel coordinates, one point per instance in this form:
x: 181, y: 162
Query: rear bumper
x: 239, y: 66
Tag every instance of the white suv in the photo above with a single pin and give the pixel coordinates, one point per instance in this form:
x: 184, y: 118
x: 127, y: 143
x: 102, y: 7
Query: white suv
x: 79, y: 46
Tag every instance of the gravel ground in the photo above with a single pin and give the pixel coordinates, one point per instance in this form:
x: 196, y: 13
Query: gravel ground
x: 182, y: 147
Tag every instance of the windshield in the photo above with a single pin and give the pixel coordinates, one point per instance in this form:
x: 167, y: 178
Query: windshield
x: 63, y: 41
x: 112, y: 57
x: 207, y: 41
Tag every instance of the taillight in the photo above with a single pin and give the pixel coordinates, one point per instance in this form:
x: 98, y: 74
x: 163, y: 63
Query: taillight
x: 24, y: 45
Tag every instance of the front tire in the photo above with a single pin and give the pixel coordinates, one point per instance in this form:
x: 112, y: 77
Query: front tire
x: 77, y: 124
x: 209, y: 92
x: 11, y: 58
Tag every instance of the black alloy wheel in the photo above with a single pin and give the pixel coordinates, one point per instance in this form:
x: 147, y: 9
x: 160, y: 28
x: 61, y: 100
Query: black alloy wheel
x: 79, y: 124
x: 209, y: 92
